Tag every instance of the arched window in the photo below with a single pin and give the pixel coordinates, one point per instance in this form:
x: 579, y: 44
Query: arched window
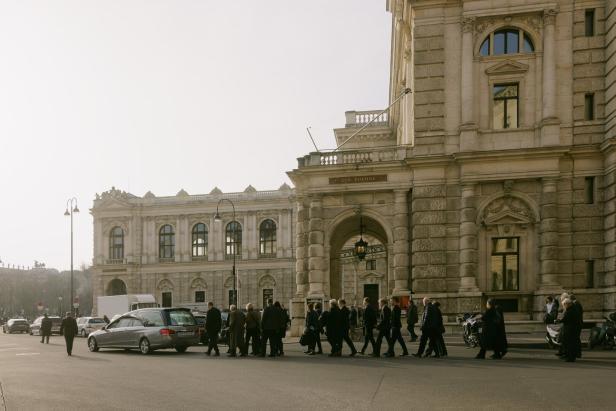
x: 199, y: 240
x: 116, y: 243
x: 233, y: 239
x: 507, y: 41
x: 267, y: 238
x: 166, y: 242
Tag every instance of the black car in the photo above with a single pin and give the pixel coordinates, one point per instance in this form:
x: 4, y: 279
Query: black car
x: 16, y: 325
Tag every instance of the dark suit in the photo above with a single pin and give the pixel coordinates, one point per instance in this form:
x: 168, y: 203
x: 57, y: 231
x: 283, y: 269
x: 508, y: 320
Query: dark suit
x: 213, y: 324
x: 346, y: 326
x: 569, y: 332
x: 411, y: 320
x: 45, y: 329
x: 312, y: 327
x: 384, y: 329
x: 369, y: 324
x: 580, y: 318
x: 270, y: 325
x: 396, y: 327
x: 428, y: 326
x: 69, y: 330
x: 320, y: 331
x: 334, y: 328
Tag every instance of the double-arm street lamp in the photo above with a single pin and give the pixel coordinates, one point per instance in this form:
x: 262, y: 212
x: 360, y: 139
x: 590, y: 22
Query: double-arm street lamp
x: 71, y: 207
x: 218, y: 219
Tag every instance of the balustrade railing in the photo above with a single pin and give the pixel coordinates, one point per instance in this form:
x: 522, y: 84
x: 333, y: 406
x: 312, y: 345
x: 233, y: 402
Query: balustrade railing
x: 361, y: 118
x: 350, y: 157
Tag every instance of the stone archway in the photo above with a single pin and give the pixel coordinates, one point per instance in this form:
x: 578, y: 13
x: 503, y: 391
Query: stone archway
x: 345, y: 269
x: 116, y: 287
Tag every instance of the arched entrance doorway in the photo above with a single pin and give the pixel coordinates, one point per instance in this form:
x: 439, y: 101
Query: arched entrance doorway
x: 354, y: 279
x: 116, y: 287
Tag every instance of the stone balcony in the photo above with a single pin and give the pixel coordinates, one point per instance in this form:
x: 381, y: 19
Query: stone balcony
x: 368, y: 129
x: 345, y: 157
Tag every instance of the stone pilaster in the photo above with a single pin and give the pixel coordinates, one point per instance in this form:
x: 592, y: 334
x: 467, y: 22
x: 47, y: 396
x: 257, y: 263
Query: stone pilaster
x: 468, y: 128
x: 548, y: 234
x: 401, y: 243
x: 468, y: 239
x: 301, y: 250
x: 549, y: 124
x: 315, y: 247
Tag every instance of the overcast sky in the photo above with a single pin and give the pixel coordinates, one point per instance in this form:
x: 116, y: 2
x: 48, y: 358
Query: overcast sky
x: 167, y: 94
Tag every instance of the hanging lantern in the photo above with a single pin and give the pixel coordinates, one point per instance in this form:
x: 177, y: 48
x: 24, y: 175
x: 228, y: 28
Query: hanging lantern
x: 361, y: 247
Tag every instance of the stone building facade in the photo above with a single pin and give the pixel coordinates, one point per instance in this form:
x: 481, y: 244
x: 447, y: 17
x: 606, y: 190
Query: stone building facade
x: 172, y: 248
x: 492, y: 174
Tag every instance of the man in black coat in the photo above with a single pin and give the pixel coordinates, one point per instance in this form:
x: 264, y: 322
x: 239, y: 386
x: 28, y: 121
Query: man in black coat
x: 45, y: 329
x: 396, y: 327
x: 270, y: 328
x: 569, y: 331
x: 318, y: 308
x: 491, y: 332
x: 69, y: 330
x: 213, y: 324
x: 384, y: 326
x: 346, y: 326
x: 411, y: 319
x: 369, y: 319
x: 334, y: 328
x: 428, y: 326
x: 577, y: 306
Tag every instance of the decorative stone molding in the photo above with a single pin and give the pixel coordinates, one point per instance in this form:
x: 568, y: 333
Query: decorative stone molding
x: 114, y: 193
x: 250, y: 189
x: 198, y: 283
x: 149, y: 195
x: 182, y: 193
x: 507, y: 67
x: 108, y: 224
x: 165, y: 285
x: 216, y: 191
x: 229, y: 282
x: 507, y: 210
x: 549, y: 17
x: 267, y: 281
x: 468, y: 24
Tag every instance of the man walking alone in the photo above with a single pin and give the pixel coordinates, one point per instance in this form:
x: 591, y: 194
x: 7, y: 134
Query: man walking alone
x: 213, y: 323
x: 69, y: 330
x: 45, y: 329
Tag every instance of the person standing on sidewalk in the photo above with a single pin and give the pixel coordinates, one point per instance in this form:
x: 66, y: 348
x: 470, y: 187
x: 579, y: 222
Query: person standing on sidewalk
x: 269, y: 329
x: 45, y: 329
x: 346, y: 326
x: 312, y: 329
x: 213, y: 324
x: 318, y: 308
x: 237, y: 323
x: 69, y: 330
x: 411, y: 319
x: 253, y: 327
x: 396, y: 327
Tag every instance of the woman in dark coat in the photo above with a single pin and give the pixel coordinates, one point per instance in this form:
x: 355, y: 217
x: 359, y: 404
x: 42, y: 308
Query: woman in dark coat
x: 569, y: 336
x: 312, y: 329
x: 492, y: 337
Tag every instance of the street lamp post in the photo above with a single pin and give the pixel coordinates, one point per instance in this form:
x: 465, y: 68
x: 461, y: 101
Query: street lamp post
x: 60, y: 306
x: 218, y: 219
x: 71, y: 207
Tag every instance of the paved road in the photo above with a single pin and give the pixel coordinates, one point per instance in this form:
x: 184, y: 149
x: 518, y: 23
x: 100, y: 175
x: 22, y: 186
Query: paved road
x: 35, y: 376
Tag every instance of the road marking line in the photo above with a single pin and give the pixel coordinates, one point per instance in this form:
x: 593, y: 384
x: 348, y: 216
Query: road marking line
x: 29, y: 353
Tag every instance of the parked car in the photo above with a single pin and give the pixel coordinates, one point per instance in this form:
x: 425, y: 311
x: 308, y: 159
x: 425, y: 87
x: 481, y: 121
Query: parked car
x: 16, y: 325
x: 200, y: 318
x: 85, y: 325
x: 148, y: 329
x: 56, y: 322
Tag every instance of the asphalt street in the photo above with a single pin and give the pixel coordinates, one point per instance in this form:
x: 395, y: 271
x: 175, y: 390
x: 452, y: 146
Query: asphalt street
x: 35, y: 376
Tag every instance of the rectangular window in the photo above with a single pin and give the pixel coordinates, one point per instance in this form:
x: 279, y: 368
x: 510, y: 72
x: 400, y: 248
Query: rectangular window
x: 370, y: 264
x: 167, y: 299
x: 199, y: 296
x: 589, y: 22
x: 268, y: 293
x: 590, y: 273
x: 505, y: 106
x: 589, y: 106
x: 505, y: 264
x: 589, y: 190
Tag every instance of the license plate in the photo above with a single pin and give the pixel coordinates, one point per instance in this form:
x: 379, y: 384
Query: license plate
x: 186, y: 333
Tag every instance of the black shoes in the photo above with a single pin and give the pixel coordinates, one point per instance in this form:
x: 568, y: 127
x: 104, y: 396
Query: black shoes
x: 416, y: 355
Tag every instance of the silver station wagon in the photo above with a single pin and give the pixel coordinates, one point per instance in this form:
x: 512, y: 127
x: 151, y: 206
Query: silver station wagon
x: 148, y: 329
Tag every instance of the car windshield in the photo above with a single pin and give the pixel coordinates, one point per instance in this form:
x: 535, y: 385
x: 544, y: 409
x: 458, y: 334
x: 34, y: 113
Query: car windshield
x: 181, y: 317
x: 20, y: 322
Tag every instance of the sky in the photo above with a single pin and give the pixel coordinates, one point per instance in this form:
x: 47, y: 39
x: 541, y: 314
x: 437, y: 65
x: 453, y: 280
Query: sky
x: 163, y: 95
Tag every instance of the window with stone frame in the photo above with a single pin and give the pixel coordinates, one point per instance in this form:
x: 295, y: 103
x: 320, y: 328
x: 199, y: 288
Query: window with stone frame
x: 199, y: 296
x: 166, y: 247
x: 507, y: 41
x: 233, y: 239
x: 267, y: 238
x: 199, y: 240
x: 505, y: 107
x: 116, y: 243
x: 505, y: 263
x: 371, y: 265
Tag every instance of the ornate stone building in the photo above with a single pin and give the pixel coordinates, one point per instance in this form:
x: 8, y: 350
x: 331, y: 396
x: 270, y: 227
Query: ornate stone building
x: 172, y: 248
x: 492, y: 173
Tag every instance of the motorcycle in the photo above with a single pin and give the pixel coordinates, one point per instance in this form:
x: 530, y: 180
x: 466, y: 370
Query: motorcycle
x: 471, y: 325
x: 552, y: 334
x: 605, y: 335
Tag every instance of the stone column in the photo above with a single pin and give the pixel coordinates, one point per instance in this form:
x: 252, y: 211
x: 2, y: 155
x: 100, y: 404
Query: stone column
x: 315, y: 247
x: 401, y: 243
x: 468, y: 240
x: 466, y: 86
x: 549, y: 65
x: 548, y: 243
x: 301, y: 248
